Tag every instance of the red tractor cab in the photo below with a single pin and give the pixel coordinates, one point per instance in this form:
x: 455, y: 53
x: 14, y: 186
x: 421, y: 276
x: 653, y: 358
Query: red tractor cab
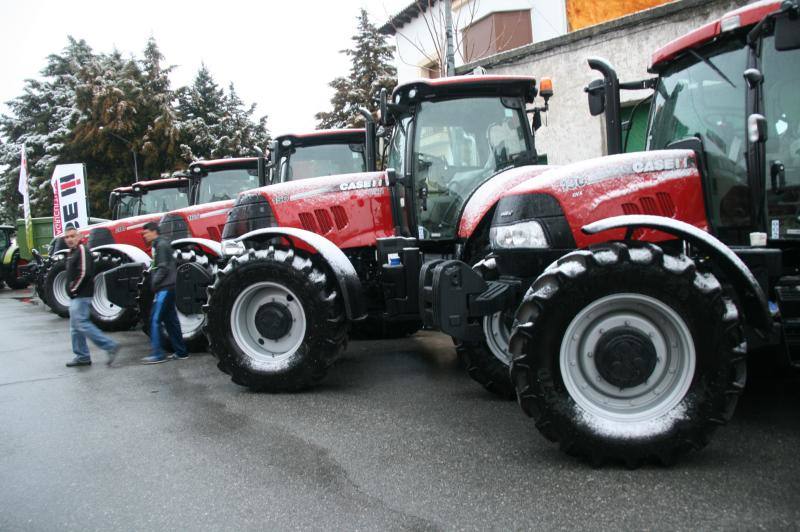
x: 131, y: 207
x: 634, y: 286
x: 308, y: 259
x: 293, y: 157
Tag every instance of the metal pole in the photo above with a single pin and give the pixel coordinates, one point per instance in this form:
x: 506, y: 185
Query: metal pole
x: 450, y: 54
x: 135, y: 165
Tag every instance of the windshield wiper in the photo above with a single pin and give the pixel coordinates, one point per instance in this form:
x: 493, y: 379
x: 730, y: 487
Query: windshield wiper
x: 712, y: 66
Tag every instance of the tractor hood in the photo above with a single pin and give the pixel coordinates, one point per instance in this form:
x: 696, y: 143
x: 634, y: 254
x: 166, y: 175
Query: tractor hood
x: 199, y: 221
x: 350, y: 209
x: 662, y: 183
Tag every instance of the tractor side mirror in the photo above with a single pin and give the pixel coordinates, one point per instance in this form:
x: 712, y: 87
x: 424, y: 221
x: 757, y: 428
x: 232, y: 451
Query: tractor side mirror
x: 384, y: 107
x: 787, y: 28
x: 536, y: 120
x: 757, y: 128
x: 596, y: 93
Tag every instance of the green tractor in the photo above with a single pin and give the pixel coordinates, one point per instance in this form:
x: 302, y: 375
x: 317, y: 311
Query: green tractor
x: 10, y: 271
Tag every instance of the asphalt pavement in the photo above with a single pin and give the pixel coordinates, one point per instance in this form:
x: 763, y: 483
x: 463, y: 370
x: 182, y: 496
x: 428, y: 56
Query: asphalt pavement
x: 397, y: 437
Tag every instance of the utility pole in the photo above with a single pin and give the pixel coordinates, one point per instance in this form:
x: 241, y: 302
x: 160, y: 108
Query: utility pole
x: 133, y: 151
x: 450, y: 60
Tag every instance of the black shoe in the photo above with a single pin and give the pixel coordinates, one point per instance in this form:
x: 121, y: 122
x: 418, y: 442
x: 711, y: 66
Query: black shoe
x: 176, y: 356
x: 75, y: 362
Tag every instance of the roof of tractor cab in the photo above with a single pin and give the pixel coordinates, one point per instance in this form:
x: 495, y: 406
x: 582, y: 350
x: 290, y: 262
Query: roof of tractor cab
x: 7, y: 227
x: 324, y: 136
x: 469, y: 85
x: 158, y: 183
x: 738, y: 18
x: 231, y: 161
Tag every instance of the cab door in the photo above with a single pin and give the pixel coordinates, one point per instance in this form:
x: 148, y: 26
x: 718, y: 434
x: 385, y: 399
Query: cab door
x: 781, y: 106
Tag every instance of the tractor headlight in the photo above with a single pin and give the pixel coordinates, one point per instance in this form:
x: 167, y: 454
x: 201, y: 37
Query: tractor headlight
x: 232, y: 248
x: 522, y: 235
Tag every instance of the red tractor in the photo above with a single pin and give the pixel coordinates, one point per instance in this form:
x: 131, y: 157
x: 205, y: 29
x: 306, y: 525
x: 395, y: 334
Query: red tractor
x: 196, y: 231
x: 131, y: 207
x: 636, y: 284
x: 307, y: 259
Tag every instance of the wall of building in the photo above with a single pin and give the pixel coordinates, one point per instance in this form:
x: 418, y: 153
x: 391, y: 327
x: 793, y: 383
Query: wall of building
x: 548, y: 20
x: 571, y: 134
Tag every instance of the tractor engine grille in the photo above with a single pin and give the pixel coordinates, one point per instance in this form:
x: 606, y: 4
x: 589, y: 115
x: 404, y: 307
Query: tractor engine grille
x: 661, y: 205
x: 323, y: 221
x: 173, y: 227
x: 250, y: 212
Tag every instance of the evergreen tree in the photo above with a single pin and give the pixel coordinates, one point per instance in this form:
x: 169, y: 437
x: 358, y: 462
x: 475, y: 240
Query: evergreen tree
x: 97, y: 108
x: 216, y: 124
x: 370, y: 71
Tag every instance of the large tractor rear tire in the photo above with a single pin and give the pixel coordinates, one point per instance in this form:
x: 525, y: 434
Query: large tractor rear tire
x: 624, y: 353
x: 13, y: 279
x: 488, y: 360
x: 192, y: 325
x: 55, y: 287
x: 105, y: 314
x: 276, y: 321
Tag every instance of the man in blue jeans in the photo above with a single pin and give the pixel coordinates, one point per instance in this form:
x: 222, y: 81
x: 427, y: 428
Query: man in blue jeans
x: 163, y: 273
x: 80, y: 284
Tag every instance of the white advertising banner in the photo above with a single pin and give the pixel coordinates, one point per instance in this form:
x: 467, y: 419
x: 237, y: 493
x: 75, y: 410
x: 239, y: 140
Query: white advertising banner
x: 69, y: 197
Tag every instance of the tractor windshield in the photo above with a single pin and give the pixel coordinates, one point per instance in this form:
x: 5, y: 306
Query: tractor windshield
x: 326, y: 159
x: 458, y: 144
x: 126, y: 206
x: 219, y: 185
x: 163, y: 200
x: 703, y: 95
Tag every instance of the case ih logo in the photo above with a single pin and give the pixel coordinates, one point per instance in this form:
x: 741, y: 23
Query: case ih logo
x: 68, y: 186
x: 657, y: 165
x: 369, y: 183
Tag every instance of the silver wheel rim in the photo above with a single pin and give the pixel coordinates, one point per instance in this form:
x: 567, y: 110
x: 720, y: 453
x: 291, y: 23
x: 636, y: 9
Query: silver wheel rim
x: 496, y: 333
x: 60, y: 289
x: 665, y: 387
x: 101, y: 306
x: 265, y: 353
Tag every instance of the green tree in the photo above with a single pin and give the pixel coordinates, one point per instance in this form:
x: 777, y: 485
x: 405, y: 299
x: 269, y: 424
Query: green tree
x: 370, y: 71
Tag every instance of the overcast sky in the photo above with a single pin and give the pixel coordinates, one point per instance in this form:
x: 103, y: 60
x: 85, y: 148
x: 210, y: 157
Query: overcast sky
x: 280, y: 55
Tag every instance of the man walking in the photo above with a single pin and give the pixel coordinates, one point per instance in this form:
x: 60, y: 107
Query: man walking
x: 163, y: 273
x: 80, y: 284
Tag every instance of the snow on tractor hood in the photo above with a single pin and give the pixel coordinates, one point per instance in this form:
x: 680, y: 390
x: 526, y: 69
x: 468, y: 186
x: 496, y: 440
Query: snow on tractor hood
x: 662, y: 183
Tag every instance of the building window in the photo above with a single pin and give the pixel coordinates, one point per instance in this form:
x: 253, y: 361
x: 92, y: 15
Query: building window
x: 497, y: 32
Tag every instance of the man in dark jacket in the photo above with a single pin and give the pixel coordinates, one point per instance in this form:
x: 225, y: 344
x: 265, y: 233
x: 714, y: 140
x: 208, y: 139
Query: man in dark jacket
x: 163, y: 273
x: 80, y: 284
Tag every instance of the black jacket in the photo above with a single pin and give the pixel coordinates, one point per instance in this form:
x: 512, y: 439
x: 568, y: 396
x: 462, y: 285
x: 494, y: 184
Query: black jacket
x: 80, y: 278
x: 163, y: 270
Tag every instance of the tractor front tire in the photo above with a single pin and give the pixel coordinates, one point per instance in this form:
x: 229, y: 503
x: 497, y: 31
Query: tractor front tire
x: 13, y: 280
x: 105, y: 314
x: 55, y: 288
x: 275, y: 320
x: 488, y: 360
x: 191, y: 325
x: 624, y: 353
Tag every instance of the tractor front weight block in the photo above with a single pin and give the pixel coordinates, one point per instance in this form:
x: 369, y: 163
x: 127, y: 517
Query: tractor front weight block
x: 453, y: 297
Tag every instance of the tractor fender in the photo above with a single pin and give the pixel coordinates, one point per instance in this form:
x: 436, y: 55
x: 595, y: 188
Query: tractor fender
x: 9, y: 254
x: 346, y: 276
x: 744, y: 282
x: 211, y: 247
x: 132, y: 252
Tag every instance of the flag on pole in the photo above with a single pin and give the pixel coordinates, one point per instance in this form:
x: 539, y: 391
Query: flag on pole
x: 26, y: 201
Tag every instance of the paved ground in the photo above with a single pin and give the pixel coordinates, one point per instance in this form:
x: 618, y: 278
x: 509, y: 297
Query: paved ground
x: 396, y: 438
